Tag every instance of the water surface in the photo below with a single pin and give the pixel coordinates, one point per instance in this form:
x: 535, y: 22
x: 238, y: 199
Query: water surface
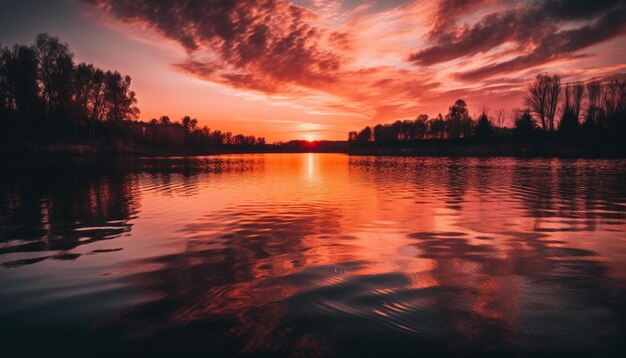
x: 314, y: 254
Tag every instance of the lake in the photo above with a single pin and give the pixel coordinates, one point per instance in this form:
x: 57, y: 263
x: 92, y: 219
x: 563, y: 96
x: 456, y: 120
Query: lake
x: 313, y: 254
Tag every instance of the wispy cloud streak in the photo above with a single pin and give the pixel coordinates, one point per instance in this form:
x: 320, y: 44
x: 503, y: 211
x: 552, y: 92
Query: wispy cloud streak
x: 381, y: 59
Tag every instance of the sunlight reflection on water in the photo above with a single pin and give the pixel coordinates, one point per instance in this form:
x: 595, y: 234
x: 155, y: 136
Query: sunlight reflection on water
x: 323, y: 253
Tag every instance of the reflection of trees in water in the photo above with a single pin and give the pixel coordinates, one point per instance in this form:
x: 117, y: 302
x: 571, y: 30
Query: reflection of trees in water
x: 182, y: 175
x: 232, y: 283
x: 457, y: 179
x: 513, y: 295
x: 58, y: 206
x: 522, y: 275
x: 256, y: 279
x: 567, y: 191
x: 499, y: 285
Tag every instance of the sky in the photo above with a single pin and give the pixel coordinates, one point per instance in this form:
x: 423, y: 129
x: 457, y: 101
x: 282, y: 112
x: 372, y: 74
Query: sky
x: 317, y: 69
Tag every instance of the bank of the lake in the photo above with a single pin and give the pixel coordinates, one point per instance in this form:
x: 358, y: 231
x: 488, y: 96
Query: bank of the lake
x: 450, y: 148
x: 108, y: 148
x: 312, y: 254
x: 426, y: 148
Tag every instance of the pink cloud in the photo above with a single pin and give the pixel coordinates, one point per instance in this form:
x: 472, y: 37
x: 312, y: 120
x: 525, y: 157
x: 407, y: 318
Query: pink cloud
x: 382, y: 62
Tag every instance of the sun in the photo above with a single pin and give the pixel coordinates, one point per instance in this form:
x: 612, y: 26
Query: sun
x: 310, y: 138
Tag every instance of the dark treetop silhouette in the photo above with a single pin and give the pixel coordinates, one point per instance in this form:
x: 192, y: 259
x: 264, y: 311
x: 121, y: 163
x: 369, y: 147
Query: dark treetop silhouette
x: 601, y: 107
x: 47, y: 100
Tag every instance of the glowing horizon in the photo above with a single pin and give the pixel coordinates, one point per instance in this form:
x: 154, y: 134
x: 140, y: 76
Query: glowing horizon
x: 314, y: 69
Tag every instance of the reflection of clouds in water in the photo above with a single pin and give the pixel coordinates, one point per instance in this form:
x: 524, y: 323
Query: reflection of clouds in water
x: 350, y: 255
x: 518, y: 287
x: 235, y: 272
x: 43, y: 209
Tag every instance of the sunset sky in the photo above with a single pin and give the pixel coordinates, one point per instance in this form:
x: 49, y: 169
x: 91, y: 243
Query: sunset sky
x: 320, y: 68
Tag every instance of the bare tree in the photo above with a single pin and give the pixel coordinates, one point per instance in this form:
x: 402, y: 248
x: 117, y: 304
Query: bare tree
x: 594, y: 96
x: 578, y: 94
x: 568, y: 97
x: 500, y: 117
x: 614, y: 98
x: 537, y: 100
x: 55, y: 67
x: 543, y: 100
x: 484, y: 109
x: 554, y: 94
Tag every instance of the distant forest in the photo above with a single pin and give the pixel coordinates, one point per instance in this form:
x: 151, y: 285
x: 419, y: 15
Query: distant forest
x: 48, y: 100
x: 572, y: 113
x: 45, y: 97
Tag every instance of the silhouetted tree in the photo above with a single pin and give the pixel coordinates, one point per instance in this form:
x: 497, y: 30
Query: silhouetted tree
x: 83, y: 81
x: 458, y: 122
x: 165, y: 121
x: 500, y: 118
x: 42, y: 81
x: 567, y: 102
x: 82, y: 88
x: 484, y: 128
x: 537, y: 100
x: 543, y: 99
x: 120, y: 100
x: 4, y: 85
x: 97, y: 101
x: 420, y: 127
x: 364, y: 135
x: 238, y: 139
x: 437, y: 127
x: 55, y: 70
x: 21, y: 81
x: 614, y: 103
x: 525, y: 125
x: 594, y: 97
x: 188, y: 123
x: 227, y: 138
x: 578, y: 93
x: 569, y: 123
x: 379, y: 133
x: 554, y: 95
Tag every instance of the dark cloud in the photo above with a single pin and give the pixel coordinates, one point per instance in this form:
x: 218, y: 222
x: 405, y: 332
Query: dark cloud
x: 558, y: 45
x: 292, y: 48
x: 373, y: 5
x: 578, y: 9
x: 494, y: 30
x: 536, y: 28
x: 255, y: 40
x: 450, y: 10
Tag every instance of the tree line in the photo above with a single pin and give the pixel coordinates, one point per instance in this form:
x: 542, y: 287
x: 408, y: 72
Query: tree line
x: 575, y: 112
x: 46, y: 96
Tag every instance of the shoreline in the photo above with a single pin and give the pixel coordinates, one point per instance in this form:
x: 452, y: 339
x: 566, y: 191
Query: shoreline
x: 423, y: 149
x: 511, y: 150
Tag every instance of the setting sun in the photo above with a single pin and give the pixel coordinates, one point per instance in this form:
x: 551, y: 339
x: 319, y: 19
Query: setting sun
x: 313, y: 177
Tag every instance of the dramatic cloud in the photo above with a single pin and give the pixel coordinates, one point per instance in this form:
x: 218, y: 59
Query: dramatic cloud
x: 266, y: 40
x: 540, y: 31
x: 559, y: 45
x: 380, y: 59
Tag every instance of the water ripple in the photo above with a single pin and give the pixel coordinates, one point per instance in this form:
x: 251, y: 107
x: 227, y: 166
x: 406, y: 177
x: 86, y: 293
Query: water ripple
x: 316, y: 254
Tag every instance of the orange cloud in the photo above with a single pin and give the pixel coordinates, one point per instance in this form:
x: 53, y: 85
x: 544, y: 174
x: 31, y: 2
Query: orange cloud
x: 381, y: 60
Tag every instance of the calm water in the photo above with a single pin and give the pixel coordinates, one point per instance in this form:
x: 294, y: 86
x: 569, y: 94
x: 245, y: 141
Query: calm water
x: 314, y: 254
